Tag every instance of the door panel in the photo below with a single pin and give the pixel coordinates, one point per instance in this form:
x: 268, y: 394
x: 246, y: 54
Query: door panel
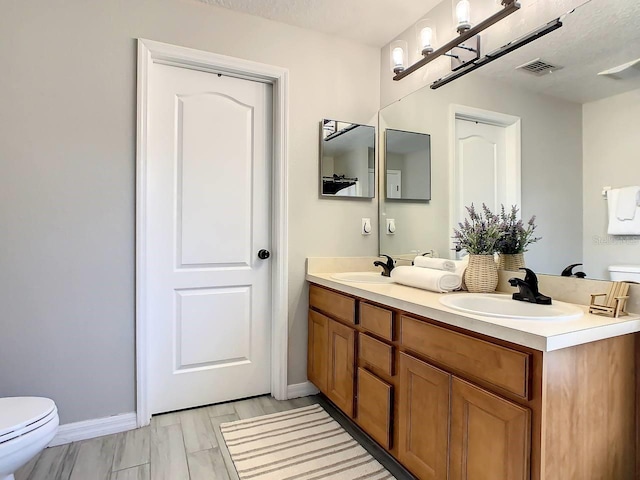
x: 317, y: 350
x: 490, y: 436
x: 374, y: 407
x: 214, y: 157
x: 424, y: 418
x: 208, y: 203
x: 341, y: 366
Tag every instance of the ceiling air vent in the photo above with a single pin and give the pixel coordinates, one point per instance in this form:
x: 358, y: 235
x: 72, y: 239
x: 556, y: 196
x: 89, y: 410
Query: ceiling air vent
x: 538, y: 67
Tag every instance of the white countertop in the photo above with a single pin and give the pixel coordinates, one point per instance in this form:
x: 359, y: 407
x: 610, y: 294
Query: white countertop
x: 544, y: 335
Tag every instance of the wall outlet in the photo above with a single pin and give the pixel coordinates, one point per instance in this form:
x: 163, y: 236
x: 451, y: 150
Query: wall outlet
x: 391, y: 226
x: 366, y: 226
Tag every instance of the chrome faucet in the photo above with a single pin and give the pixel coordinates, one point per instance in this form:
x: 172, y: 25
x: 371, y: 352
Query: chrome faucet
x: 386, y: 267
x: 528, y: 289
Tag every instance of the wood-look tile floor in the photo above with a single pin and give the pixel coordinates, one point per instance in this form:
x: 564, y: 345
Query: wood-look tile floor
x: 183, y: 445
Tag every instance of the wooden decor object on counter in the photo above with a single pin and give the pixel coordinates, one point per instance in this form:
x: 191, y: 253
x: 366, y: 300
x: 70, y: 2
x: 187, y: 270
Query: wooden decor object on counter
x: 614, y: 301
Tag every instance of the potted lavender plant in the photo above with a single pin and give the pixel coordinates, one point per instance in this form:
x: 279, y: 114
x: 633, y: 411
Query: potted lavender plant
x: 479, y: 236
x: 515, y: 237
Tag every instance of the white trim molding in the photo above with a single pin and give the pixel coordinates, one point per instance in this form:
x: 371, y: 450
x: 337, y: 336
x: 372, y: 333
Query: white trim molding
x: 150, y: 52
x: 74, y: 432
x: 302, y: 390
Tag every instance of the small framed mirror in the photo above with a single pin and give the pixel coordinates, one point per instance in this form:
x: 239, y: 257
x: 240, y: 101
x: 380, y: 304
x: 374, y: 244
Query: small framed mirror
x: 407, y: 165
x: 347, y: 159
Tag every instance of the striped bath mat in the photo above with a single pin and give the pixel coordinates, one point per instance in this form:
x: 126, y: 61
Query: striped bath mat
x: 301, y: 444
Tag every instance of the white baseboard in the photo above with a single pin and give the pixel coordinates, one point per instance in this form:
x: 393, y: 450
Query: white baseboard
x: 301, y: 390
x: 73, y: 432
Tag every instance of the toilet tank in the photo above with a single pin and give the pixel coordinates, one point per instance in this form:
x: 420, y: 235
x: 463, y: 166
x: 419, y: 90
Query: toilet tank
x: 625, y: 273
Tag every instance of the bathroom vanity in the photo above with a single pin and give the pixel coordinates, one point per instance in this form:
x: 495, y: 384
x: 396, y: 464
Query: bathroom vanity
x: 456, y: 396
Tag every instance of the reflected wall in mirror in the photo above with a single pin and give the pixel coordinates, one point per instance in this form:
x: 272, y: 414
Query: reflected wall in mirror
x: 579, y: 133
x: 347, y: 159
x: 407, y: 165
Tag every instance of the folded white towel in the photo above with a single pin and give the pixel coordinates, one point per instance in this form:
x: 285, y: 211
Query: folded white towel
x: 620, y: 227
x: 427, y: 279
x: 456, y: 266
x: 628, y: 202
x: 435, y: 263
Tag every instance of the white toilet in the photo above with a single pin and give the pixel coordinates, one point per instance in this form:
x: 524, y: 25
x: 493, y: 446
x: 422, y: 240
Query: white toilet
x: 27, y: 425
x: 625, y: 273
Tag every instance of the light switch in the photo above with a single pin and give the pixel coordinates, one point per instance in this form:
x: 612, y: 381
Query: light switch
x: 366, y: 226
x: 391, y: 226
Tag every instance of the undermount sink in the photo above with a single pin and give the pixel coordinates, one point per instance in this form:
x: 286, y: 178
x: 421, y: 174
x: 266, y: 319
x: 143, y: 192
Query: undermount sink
x: 361, y: 277
x: 503, y: 306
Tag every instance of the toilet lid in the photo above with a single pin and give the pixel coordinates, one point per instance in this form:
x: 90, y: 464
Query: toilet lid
x: 18, y: 412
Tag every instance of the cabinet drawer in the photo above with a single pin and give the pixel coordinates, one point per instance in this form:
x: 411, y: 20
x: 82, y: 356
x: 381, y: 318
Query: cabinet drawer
x: 376, y: 320
x: 505, y: 368
x: 374, y: 407
x: 376, y: 353
x: 338, y: 306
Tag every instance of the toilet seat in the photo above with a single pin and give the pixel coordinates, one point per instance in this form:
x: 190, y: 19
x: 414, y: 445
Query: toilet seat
x: 20, y: 415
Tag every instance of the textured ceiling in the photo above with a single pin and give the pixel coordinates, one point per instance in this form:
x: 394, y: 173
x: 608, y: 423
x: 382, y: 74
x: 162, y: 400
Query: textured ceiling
x: 598, y: 36
x: 373, y: 22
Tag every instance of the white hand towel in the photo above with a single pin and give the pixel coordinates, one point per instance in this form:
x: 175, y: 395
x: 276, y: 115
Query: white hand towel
x: 620, y: 227
x: 435, y: 263
x: 427, y: 279
x: 628, y: 202
x: 440, y: 264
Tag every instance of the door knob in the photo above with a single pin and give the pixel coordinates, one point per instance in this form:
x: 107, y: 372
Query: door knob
x: 263, y: 254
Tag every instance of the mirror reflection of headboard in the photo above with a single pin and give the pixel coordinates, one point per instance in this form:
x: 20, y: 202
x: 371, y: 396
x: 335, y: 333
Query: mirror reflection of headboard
x: 347, y: 160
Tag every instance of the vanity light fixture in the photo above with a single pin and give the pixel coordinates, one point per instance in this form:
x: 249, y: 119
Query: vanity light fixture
x: 426, y: 35
x: 399, y: 51
x: 500, y: 52
x: 508, y: 7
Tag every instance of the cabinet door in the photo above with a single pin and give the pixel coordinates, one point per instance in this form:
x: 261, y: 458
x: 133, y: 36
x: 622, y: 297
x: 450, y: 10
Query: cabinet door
x: 490, y: 436
x: 424, y: 418
x: 341, y: 366
x: 374, y: 407
x: 317, y: 349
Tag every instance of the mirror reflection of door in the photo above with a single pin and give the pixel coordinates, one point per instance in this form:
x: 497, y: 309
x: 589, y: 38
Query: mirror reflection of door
x: 394, y: 183
x: 485, y: 168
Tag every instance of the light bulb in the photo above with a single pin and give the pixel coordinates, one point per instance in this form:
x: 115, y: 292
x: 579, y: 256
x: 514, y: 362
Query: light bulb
x: 426, y: 34
x: 463, y: 15
x: 398, y: 50
x: 398, y: 57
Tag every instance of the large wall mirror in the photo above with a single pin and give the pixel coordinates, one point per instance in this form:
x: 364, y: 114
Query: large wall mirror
x: 407, y: 165
x: 549, y: 142
x: 347, y: 159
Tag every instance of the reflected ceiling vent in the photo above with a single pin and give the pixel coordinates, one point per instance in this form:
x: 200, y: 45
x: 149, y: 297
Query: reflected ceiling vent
x: 538, y: 67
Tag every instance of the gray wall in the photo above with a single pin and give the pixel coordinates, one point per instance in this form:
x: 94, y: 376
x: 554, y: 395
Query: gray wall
x: 611, y: 158
x: 67, y: 156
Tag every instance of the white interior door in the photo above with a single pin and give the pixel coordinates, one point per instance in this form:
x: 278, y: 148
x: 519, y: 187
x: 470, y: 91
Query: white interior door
x: 208, y: 203
x: 481, y: 166
x: 394, y: 184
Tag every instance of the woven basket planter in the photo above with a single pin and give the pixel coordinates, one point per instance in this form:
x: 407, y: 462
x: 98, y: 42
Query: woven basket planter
x: 481, y: 275
x: 511, y: 261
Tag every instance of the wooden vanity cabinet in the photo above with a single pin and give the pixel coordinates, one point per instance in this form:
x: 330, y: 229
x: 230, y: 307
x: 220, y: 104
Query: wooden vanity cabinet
x: 341, y: 365
x: 423, y: 423
x: 490, y: 436
x: 331, y: 349
x: 451, y: 404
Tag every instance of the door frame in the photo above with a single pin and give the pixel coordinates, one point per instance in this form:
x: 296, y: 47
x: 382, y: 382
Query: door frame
x: 512, y: 125
x: 150, y: 52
